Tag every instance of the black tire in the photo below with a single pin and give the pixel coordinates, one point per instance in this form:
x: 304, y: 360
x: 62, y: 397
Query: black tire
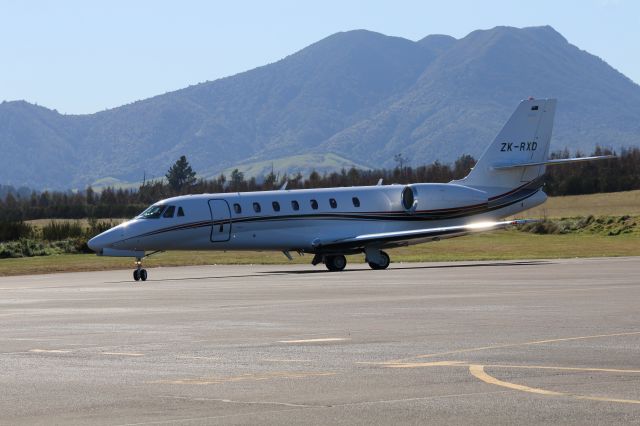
x: 136, y: 274
x: 143, y: 274
x: 335, y: 263
x: 384, y: 265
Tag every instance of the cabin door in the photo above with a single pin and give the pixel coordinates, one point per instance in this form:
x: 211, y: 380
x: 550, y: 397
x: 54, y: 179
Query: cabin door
x: 221, y: 221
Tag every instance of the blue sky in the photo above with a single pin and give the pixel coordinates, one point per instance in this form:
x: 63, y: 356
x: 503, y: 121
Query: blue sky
x: 86, y: 56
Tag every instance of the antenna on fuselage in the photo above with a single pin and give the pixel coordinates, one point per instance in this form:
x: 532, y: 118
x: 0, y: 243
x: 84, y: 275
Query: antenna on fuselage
x: 379, y: 182
x: 284, y: 185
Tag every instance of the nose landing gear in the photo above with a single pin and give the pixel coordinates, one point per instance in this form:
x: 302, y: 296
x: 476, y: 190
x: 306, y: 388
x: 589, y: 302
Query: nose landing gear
x: 139, y: 273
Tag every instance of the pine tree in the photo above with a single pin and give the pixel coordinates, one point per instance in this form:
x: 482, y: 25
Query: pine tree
x: 181, y: 175
x: 237, y: 180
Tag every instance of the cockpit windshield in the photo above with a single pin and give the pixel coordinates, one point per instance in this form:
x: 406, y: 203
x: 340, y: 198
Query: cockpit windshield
x: 153, y: 212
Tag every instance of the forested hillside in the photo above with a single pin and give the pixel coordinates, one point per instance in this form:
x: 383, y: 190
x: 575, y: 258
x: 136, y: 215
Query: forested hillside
x: 620, y: 174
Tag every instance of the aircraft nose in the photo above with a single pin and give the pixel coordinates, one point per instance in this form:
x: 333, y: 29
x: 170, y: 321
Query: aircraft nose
x: 97, y: 243
x: 106, y: 239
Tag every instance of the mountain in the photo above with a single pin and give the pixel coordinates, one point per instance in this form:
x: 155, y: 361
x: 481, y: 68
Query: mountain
x: 356, y: 97
x: 464, y: 97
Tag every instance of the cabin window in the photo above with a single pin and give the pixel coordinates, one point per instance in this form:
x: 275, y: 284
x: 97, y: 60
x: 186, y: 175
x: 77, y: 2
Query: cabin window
x: 257, y: 208
x: 314, y: 204
x: 168, y: 213
x: 237, y: 208
x: 295, y: 205
x: 356, y: 201
x: 152, y: 212
x: 333, y: 203
x: 534, y: 108
x: 276, y: 206
x: 180, y: 212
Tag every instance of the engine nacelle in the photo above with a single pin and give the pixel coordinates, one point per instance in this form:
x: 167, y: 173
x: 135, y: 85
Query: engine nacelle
x: 440, y: 196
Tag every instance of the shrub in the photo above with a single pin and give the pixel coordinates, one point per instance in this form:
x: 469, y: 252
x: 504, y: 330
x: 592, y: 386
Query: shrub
x: 11, y: 231
x: 541, y: 227
x: 56, y: 231
x: 23, y: 248
x: 97, y: 227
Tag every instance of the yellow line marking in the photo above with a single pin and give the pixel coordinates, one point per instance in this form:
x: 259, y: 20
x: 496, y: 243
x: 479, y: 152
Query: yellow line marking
x: 604, y: 399
x: 234, y: 401
x: 327, y: 339
x: 285, y: 360
x: 511, y: 345
x: 425, y: 364
x: 242, y: 378
x: 122, y: 353
x: 50, y: 351
x: 545, y: 367
x: 209, y: 358
x: 31, y: 339
x: 478, y: 372
x: 209, y: 419
x: 528, y: 367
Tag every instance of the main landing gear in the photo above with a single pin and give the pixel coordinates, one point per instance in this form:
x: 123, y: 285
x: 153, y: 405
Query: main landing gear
x: 381, y: 262
x: 335, y: 263
x: 377, y: 259
x: 139, y: 273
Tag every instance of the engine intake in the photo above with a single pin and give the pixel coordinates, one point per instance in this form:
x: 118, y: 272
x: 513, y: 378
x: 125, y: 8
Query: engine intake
x: 409, y: 199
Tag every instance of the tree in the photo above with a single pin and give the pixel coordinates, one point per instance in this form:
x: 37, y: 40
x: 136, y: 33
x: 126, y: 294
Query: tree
x: 270, y: 180
x: 463, y: 166
x: 314, y: 180
x: 400, y: 160
x: 237, y: 180
x: 91, y: 196
x: 181, y: 175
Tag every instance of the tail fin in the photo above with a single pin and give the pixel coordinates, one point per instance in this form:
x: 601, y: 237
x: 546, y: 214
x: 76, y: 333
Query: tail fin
x: 524, y: 139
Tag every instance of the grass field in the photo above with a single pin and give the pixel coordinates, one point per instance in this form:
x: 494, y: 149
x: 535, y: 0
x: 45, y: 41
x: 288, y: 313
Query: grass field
x: 505, y: 245
x: 613, y: 203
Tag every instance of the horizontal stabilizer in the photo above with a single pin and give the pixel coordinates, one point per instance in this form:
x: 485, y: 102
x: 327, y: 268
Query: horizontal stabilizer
x: 552, y: 162
x: 429, y: 233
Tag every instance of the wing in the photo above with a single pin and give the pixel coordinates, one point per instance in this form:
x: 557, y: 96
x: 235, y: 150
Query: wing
x: 390, y: 239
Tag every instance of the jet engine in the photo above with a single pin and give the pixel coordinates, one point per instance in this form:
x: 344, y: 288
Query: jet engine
x: 440, y: 196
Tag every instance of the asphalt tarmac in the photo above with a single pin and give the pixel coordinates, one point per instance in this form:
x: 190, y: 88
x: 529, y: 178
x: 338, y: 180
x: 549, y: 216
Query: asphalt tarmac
x: 517, y: 342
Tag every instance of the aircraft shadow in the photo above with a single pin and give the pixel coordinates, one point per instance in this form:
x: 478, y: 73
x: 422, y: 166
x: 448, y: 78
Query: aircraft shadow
x: 321, y: 270
x: 392, y: 268
x: 192, y: 278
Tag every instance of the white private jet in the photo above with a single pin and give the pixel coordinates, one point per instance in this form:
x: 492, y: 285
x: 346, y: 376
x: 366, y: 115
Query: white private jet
x: 333, y: 222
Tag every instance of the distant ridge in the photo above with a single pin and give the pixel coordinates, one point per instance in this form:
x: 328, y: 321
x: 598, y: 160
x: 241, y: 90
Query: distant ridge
x: 359, y: 96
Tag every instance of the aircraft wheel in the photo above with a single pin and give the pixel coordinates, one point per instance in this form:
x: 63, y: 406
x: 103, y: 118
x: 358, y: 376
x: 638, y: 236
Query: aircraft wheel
x: 384, y: 264
x: 336, y: 263
x: 136, y: 274
x: 143, y: 274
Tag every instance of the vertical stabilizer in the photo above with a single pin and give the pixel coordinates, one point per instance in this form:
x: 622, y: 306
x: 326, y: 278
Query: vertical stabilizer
x: 524, y: 139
